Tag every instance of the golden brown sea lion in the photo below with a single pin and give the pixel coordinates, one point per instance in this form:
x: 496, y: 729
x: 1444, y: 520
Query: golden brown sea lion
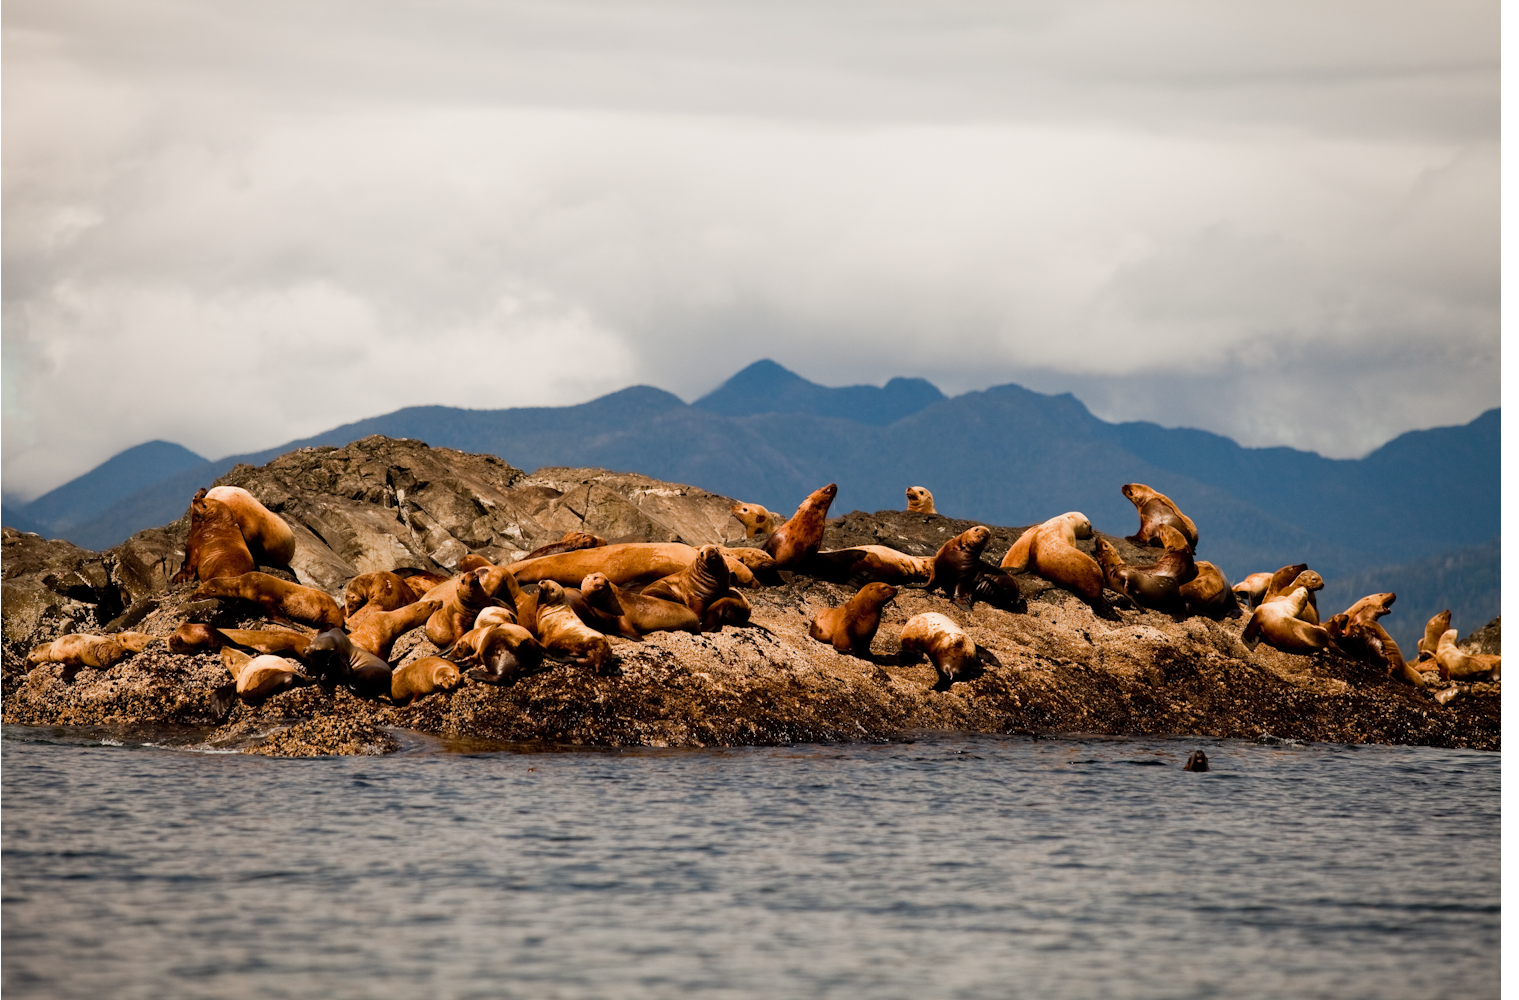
x: 1156, y: 509
x: 379, y: 630
x: 755, y: 518
x: 380, y: 591
x: 1277, y: 623
x: 624, y: 564
x: 334, y: 658
x: 1371, y: 607
x: 799, y: 538
x: 1071, y: 525
x: 133, y: 642
x: 920, y: 501
x: 565, y: 635
x: 1462, y: 666
x: 260, y: 677
x: 954, y: 654
x: 457, y: 615
x: 852, y: 625
x: 215, y: 546
x: 1253, y: 588
x: 422, y: 677
x: 957, y: 561
x: 79, y: 650
x: 595, y: 603
x: 1433, y: 629
x: 277, y: 597
x: 651, y: 614
x: 573, y: 541
x: 269, y: 538
x: 1281, y: 581
x: 862, y: 564
x: 473, y: 561
x: 276, y: 642
x: 739, y: 574
x: 704, y: 587
x: 1049, y: 550
x: 1308, y: 580
x: 1208, y: 592
x: 760, y: 563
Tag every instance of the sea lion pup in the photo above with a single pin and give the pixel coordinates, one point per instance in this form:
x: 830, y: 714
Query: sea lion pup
x: 862, y: 564
x: 1277, y: 623
x: 1462, y: 666
x: 259, y: 677
x: 1253, y: 588
x: 954, y: 654
x: 793, y: 542
x: 278, y: 597
x: 704, y: 587
x: 920, y: 501
x: 379, y: 630
x: 624, y: 563
x: 1208, y: 592
x: 647, y: 614
x: 1049, y: 550
x: 1156, y: 509
x: 760, y: 563
x: 79, y: 649
x: 382, y: 591
x: 422, y: 677
x: 850, y: 626
x: 573, y: 541
x: 215, y: 546
x: 956, y: 563
x: 562, y: 633
x: 1435, y: 628
x: 334, y: 659
x: 457, y: 615
x: 755, y: 518
x: 269, y: 538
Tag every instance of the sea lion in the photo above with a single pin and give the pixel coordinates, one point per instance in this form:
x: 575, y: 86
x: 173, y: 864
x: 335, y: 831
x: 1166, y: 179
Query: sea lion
x: 1197, y: 762
x: 423, y: 677
x: 793, y: 542
x: 215, y: 546
x: 473, y: 561
x: 1072, y: 525
x: 335, y: 659
x: 702, y: 586
x: 260, y: 677
x: 862, y: 564
x: 1371, y: 607
x: 562, y: 633
x: 850, y: 626
x: 760, y: 563
x: 1208, y: 592
x: 1253, y: 588
x: 595, y: 604
x: 956, y: 563
x: 1366, y: 640
x: 379, y: 630
x: 1281, y: 581
x: 420, y: 580
x: 192, y: 637
x: 920, y: 501
x: 457, y: 615
x: 755, y: 518
x: 277, y: 597
x: 1433, y: 629
x: 624, y: 563
x: 467, y: 646
x: 573, y: 541
x: 954, y: 654
x: 276, y: 642
x: 1157, y: 591
x: 739, y: 574
x: 1049, y: 550
x: 269, y: 538
x: 1288, y: 579
x: 506, y: 654
x: 1463, y: 666
x: 79, y: 649
x: 651, y: 614
x: 1156, y: 509
x: 382, y: 591
x: 1277, y: 623
x: 133, y: 642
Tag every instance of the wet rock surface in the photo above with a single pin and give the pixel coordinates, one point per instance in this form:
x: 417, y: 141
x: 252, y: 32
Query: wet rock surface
x: 381, y: 504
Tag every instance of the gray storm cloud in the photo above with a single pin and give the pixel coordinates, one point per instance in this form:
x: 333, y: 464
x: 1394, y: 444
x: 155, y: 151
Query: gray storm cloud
x: 1275, y: 221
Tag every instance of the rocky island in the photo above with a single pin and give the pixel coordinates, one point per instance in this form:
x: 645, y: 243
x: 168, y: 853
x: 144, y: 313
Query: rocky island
x: 384, y: 504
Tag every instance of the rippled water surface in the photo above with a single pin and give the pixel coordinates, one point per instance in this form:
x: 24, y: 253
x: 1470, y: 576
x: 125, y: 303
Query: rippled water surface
x: 953, y: 866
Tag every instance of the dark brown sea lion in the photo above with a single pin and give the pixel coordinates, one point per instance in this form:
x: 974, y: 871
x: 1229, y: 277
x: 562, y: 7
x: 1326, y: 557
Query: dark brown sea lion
x: 380, y: 591
x: 379, y: 630
x: 192, y: 637
x: 624, y: 564
x: 852, y: 625
x: 704, y: 587
x: 277, y: 597
x: 954, y: 654
x: 260, y: 677
x: 506, y: 653
x: 1208, y: 593
x: 269, y: 538
x: 596, y: 604
x: 957, y: 561
x: 215, y: 546
x: 1276, y: 622
x: 573, y: 541
x: 335, y: 659
x: 1156, y: 509
x: 793, y: 542
x: 919, y: 500
x: 755, y: 518
x: 563, y: 634
x: 79, y: 650
x: 862, y: 564
x: 1366, y: 640
x: 422, y: 677
x: 1148, y: 590
x: 1197, y: 762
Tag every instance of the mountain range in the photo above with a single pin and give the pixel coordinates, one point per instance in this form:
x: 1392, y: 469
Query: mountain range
x: 1005, y: 455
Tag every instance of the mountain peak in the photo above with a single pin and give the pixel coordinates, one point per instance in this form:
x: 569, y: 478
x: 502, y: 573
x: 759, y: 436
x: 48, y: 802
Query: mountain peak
x: 767, y: 387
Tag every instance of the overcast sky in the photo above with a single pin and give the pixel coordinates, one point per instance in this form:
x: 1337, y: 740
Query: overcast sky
x: 230, y: 225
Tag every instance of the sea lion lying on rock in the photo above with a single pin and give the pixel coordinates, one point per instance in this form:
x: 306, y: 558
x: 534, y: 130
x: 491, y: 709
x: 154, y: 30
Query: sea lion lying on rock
x: 505, y: 653
x: 1288, y: 579
x: 1253, y: 588
x: 1156, y: 509
x: 565, y: 635
x: 1464, y: 666
x: 920, y: 501
x: 761, y: 565
x: 334, y: 659
x: 624, y: 564
x: 596, y: 604
x: 704, y: 588
x: 79, y: 649
x: 269, y: 538
x: 852, y: 625
x: 1049, y: 550
x: 954, y: 654
x: 215, y: 546
x: 1208, y: 593
x: 1277, y: 623
x: 423, y: 677
x: 457, y: 615
x: 378, y: 631
x: 573, y: 541
x: 277, y: 597
x: 379, y: 591
x: 862, y: 564
x: 260, y: 677
x: 800, y: 538
x: 647, y: 614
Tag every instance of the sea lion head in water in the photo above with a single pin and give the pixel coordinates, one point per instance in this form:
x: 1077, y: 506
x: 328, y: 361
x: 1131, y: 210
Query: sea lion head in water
x: 1197, y: 762
x: 920, y: 501
x: 799, y: 538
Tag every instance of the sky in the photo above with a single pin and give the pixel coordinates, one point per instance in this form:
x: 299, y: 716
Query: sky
x: 232, y: 225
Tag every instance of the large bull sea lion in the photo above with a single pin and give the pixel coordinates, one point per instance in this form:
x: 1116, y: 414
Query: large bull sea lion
x: 277, y: 597
x: 269, y: 538
x: 799, y: 538
x: 215, y: 546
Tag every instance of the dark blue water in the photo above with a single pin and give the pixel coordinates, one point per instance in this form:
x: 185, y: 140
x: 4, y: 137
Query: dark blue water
x: 955, y: 866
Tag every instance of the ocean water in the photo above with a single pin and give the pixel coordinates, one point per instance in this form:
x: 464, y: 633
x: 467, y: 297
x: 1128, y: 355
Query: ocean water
x: 950, y: 866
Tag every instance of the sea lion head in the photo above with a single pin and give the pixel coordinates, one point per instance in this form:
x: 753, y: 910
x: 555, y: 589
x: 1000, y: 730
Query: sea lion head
x: 920, y: 500
x: 1137, y: 493
x: 876, y: 594
x: 1199, y: 760
x: 977, y: 537
x: 1081, y: 526
x: 822, y: 497
x: 327, y: 654
x: 1307, y: 579
x: 549, y: 593
x: 1107, y: 555
x: 593, y: 584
